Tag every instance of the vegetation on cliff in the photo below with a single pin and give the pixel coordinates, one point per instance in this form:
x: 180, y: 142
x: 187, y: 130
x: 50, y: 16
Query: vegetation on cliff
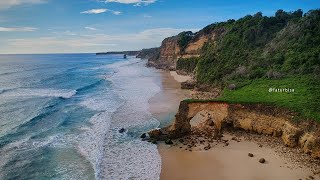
x: 302, y: 97
x: 187, y: 65
x: 303, y: 94
x: 262, y: 47
x: 151, y: 54
x: 184, y: 38
x: 255, y: 53
x: 258, y: 52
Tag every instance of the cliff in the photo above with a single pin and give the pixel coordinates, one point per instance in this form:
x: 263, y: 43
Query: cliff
x: 261, y: 119
x: 251, y: 47
x: 167, y: 54
x: 150, y: 54
x: 253, y: 52
x: 183, y: 46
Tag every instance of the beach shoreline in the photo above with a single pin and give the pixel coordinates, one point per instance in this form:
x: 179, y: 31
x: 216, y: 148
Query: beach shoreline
x: 221, y: 162
x: 164, y: 105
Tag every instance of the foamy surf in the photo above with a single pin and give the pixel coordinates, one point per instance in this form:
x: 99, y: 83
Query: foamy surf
x: 29, y: 92
x: 71, y: 130
x: 125, y: 155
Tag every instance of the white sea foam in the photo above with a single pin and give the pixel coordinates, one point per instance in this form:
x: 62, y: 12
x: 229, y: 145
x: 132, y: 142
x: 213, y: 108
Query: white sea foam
x: 64, y: 93
x: 106, y: 103
x: 126, y: 157
x: 91, y: 141
x: 117, y: 155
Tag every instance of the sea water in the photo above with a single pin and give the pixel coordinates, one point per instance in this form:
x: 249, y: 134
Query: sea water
x: 60, y: 117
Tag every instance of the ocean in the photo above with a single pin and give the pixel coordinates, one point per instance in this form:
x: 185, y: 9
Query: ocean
x: 60, y: 116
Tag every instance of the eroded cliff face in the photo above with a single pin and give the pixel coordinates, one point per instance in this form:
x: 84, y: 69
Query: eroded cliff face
x: 259, y: 119
x: 170, y: 51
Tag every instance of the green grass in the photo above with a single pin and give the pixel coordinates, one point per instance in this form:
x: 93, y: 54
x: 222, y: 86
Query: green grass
x: 305, y: 100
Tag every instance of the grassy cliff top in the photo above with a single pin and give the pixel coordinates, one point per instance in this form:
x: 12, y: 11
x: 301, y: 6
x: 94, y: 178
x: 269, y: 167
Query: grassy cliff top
x: 303, y: 95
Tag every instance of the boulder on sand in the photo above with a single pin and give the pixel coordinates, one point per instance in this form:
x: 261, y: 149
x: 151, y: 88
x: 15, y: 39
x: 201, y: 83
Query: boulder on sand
x: 262, y: 160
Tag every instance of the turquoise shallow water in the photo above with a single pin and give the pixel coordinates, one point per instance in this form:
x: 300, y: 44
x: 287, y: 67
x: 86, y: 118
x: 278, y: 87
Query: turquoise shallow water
x: 60, y: 115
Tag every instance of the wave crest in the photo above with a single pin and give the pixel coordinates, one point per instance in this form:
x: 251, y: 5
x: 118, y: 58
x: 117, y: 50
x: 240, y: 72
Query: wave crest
x: 62, y: 93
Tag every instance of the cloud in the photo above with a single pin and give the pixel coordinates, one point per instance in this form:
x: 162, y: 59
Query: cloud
x: 64, y: 33
x: 17, y: 29
x: 90, y: 28
x: 69, y: 33
x: 147, y: 16
x: 116, y: 12
x: 94, y: 11
x: 136, y: 2
x: 4, y: 4
x: 99, y: 11
x: 90, y: 42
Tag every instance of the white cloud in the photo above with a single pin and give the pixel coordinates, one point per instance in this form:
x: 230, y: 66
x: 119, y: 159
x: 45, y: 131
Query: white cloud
x: 147, y: 16
x: 136, y: 2
x: 116, y: 12
x: 4, y: 4
x: 90, y: 42
x: 94, y: 11
x: 69, y: 33
x: 90, y: 28
x: 64, y: 33
x: 17, y: 29
x: 99, y: 11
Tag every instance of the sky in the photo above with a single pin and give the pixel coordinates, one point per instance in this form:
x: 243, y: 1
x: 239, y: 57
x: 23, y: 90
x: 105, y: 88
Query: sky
x: 82, y: 26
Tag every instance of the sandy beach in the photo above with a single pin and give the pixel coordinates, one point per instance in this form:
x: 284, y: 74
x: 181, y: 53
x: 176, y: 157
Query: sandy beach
x: 226, y: 163
x: 165, y: 104
x: 220, y: 162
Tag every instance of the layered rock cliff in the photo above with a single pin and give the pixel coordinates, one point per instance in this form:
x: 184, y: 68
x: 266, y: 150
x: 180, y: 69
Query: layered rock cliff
x: 172, y: 48
x: 259, y: 119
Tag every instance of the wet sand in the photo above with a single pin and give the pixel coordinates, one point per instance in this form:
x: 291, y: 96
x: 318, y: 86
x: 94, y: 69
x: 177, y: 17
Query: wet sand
x: 220, y: 162
x: 165, y: 104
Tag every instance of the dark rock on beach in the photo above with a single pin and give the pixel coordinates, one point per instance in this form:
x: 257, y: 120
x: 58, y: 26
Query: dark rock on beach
x: 207, y: 147
x: 144, y: 135
x: 153, y: 141
x: 168, y: 141
x: 262, y: 160
x: 122, y: 130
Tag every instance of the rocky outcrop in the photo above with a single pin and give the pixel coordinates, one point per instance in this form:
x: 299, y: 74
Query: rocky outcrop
x: 150, y: 54
x: 167, y: 54
x: 259, y: 119
x: 170, y: 51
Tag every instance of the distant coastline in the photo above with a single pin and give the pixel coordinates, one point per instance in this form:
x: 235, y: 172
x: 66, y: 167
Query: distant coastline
x: 129, y: 53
